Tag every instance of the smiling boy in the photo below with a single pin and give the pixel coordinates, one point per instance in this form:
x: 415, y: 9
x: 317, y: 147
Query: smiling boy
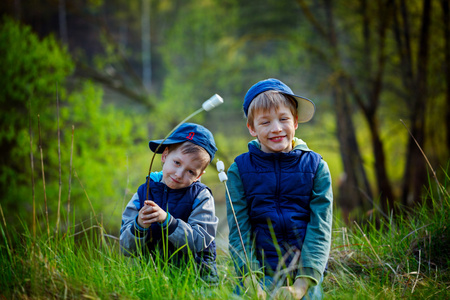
x: 282, y: 196
x: 178, y: 208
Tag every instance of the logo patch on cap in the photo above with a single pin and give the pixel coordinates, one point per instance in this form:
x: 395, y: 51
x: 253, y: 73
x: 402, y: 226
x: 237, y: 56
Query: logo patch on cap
x: 190, y: 136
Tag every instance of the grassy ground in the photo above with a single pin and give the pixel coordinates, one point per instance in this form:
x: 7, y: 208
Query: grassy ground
x: 408, y: 257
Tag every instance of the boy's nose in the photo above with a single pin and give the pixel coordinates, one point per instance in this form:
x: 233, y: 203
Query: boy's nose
x: 179, y: 173
x: 276, y: 126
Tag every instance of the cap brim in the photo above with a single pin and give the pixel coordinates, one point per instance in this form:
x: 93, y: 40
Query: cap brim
x: 154, y: 144
x: 306, y: 109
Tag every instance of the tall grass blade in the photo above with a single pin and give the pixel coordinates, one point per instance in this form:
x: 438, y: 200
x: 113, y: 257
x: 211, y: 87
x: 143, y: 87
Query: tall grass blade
x: 32, y: 174
x: 89, y: 200
x: 5, y: 234
x: 43, y: 175
x: 443, y: 191
x: 59, y: 161
x: 70, y: 179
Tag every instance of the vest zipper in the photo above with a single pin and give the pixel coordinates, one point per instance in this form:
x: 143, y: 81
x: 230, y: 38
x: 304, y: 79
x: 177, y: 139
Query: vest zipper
x: 277, y: 193
x: 165, y: 202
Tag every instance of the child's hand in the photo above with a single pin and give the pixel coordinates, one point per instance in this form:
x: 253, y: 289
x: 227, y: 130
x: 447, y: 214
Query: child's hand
x: 151, y: 213
x: 251, y: 283
x: 297, y: 291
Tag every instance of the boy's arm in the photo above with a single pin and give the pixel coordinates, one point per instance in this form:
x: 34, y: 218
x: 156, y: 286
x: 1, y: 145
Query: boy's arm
x: 239, y: 201
x: 200, y: 229
x: 316, y: 246
x: 132, y: 236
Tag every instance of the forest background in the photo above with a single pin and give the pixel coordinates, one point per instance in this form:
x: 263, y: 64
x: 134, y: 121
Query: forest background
x: 85, y: 85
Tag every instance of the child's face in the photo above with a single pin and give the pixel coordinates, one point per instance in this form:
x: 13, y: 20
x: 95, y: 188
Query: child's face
x: 180, y: 170
x: 274, y: 129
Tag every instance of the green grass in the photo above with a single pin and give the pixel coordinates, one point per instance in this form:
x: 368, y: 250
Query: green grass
x: 408, y: 257
x: 89, y: 265
x: 404, y: 258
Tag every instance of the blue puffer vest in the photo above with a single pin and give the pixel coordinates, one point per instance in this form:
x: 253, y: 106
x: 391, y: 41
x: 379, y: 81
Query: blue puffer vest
x: 179, y: 203
x: 278, y: 189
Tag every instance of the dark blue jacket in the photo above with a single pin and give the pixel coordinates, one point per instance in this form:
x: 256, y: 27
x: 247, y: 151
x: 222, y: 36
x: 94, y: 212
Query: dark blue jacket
x: 179, y: 203
x: 278, y: 189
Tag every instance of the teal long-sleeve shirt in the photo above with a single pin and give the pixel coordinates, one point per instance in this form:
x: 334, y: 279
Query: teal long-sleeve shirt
x: 316, y: 246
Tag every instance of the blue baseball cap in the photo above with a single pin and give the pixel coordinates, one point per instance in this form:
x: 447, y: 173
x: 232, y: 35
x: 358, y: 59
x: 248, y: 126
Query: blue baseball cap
x: 305, y: 107
x: 188, y: 132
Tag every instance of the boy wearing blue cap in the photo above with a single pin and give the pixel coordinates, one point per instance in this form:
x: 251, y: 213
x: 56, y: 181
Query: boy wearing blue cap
x: 282, y: 196
x: 173, y: 205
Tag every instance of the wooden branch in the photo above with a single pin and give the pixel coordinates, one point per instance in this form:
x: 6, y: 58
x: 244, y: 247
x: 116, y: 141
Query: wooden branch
x: 312, y: 19
x: 83, y: 70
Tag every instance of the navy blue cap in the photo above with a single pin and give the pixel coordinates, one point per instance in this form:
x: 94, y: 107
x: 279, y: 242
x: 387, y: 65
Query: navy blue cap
x: 188, y: 132
x: 305, y: 107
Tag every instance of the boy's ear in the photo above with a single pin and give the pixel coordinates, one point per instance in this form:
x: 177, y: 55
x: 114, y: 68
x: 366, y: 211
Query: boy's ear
x: 251, y: 130
x: 296, y: 123
x: 164, y: 154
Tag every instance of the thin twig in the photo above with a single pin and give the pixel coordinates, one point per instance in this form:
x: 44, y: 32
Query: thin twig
x: 418, y: 273
x: 43, y: 176
x: 59, y: 160
x: 85, y: 230
x: 426, y: 159
x: 247, y: 260
x: 415, y: 230
x: 126, y: 188
x: 90, y: 203
x: 6, y: 229
x: 370, y: 245
x: 159, y: 146
x: 281, y: 274
x: 70, y: 179
x: 32, y: 174
x: 237, y: 226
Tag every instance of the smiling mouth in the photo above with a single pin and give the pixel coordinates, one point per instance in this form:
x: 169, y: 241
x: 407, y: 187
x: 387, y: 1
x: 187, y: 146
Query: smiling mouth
x: 277, y: 138
x: 174, y: 180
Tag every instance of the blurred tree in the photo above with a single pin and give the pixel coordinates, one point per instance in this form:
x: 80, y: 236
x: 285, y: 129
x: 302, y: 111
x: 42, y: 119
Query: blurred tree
x: 366, y: 84
x: 414, y: 74
x: 446, y: 33
x: 354, y: 188
x: 342, y: 55
x: 31, y: 69
x: 105, y: 137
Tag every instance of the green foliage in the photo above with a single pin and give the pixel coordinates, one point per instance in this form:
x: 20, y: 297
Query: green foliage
x: 107, y: 141
x: 31, y: 70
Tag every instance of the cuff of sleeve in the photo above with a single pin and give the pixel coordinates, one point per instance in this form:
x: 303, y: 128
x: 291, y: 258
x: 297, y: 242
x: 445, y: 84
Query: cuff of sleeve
x: 310, y: 273
x: 172, y: 224
x: 167, y: 220
x: 138, y: 230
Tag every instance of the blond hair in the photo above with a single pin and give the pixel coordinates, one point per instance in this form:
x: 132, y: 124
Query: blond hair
x: 270, y: 100
x: 188, y: 147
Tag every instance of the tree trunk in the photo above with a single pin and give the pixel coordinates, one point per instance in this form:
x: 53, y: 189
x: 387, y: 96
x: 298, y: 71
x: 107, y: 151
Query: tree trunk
x: 146, y: 54
x: 415, y: 171
x: 63, y: 22
x: 354, y: 189
x: 445, y: 21
x: 374, y: 86
x: 384, y: 186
